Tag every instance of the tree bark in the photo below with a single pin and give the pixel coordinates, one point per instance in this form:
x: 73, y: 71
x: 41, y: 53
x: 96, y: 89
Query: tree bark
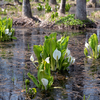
x: 62, y: 7
x: 81, y: 9
x: 17, y: 1
x: 26, y: 9
x: 36, y: 0
x: 52, y: 2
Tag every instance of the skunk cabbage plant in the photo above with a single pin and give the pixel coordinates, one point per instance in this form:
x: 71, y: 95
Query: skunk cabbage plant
x: 92, y: 48
x: 45, y: 80
x: 6, y: 30
x: 56, y: 50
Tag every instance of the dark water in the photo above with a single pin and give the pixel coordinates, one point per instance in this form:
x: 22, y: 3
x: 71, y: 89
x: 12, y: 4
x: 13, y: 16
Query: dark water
x: 83, y: 78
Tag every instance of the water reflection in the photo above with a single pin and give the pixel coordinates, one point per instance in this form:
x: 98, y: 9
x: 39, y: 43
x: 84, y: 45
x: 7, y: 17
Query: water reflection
x: 14, y: 56
x: 15, y: 63
x: 91, y: 81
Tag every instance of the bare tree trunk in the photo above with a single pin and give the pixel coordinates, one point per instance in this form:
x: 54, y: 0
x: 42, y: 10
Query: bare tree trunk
x: 52, y: 2
x: 16, y: 1
x: 26, y: 9
x: 81, y: 9
x: 36, y: 0
x: 62, y: 7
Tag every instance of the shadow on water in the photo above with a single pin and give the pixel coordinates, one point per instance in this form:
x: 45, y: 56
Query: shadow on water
x: 82, y: 78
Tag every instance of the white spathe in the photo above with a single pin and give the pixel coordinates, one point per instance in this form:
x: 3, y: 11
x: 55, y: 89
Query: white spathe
x: 69, y: 58
x: 6, y: 31
x: 44, y: 82
x: 32, y: 58
x: 56, y: 54
x: 2, y: 9
x: 73, y: 60
x: 98, y: 48
x: 47, y: 60
x: 68, y: 52
x: 59, y: 40
x: 86, y: 45
x: 41, y: 54
x: 10, y: 33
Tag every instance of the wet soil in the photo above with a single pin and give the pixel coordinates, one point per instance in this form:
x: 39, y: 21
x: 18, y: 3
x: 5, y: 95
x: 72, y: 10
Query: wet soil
x: 35, y: 22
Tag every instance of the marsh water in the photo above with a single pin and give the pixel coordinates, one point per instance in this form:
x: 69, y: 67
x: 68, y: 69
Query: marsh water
x: 83, y: 77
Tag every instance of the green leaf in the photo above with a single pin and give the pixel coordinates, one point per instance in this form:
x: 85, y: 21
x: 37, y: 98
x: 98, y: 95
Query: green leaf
x: 49, y: 47
x: 37, y: 50
x: 64, y: 43
x: 33, y: 79
x: 84, y: 97
x: 42, y: 74
x: 85, y: 52
x: 47, y: 68
x: 93, y: 42
x: 14, y: 38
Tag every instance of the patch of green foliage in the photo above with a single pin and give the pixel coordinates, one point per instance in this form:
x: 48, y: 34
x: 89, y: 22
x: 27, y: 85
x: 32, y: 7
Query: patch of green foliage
x: 3, y: 11
x: 69, y: 20
x: 9, y: 0
x: 54, y: 14
x: 6, y: 30
x: 45, y: 0
x: 87, y: 0
x: 47, y: 8
x: 51, y: 47
x: 39, y: 7
x: 67, y: 7
x: 94, y: 46
x: 30, y: 91
x: 59, y: 1
x: 84, y: 98
x: 56, y: 7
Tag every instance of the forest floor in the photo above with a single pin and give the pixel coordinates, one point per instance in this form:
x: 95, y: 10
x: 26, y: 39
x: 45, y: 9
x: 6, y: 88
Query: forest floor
x: 40, y: 18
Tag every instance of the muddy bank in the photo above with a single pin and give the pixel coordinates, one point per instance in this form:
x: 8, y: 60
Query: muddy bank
x: 35, y: 22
